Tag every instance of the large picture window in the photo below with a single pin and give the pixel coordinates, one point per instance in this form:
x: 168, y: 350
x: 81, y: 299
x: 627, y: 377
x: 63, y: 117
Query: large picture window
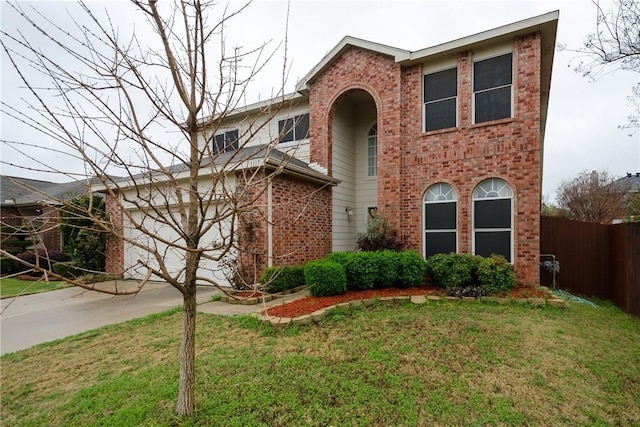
x: 372, y: 151
x: 440, y: 99
x: 440, y: 220
x: 293, y: 128
x: 227, y: 141
x: 492, y: 88
x: 493, y: 219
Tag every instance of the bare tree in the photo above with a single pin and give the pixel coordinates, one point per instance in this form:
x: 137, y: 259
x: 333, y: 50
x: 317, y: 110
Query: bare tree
x: 137, y: 112
x: 591, y: 197
x: 615, y: 45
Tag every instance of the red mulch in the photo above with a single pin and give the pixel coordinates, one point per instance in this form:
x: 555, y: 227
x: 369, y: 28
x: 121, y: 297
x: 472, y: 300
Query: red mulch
x: 310, y: 304
x: 247, y: 294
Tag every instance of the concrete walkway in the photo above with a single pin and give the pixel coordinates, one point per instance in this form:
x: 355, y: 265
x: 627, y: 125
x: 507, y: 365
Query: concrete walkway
x: 33, y: 319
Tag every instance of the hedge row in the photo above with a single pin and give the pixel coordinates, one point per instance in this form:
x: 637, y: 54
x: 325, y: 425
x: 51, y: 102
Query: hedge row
x: 471, y: 275
x: 280, y: 279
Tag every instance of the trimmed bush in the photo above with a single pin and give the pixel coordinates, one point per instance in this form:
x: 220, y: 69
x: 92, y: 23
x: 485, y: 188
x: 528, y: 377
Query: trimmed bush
x: 325, y: 278
x: 362, y: 271
x: 7, y: 266
x: 495, y: 274
x: 280, y: 279
x: 341, y: 258
x: 387, y: 262
x: 411, y: 269
x: 471, y: 275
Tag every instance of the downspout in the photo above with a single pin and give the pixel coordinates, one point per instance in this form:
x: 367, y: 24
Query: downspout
x: 270, y: 224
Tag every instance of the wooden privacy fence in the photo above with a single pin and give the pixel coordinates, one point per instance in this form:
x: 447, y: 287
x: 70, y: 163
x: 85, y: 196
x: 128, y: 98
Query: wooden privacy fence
x: 595, y: 259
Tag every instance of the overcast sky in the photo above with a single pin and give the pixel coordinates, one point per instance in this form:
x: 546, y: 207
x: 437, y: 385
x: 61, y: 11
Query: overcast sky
x: 584, y: 117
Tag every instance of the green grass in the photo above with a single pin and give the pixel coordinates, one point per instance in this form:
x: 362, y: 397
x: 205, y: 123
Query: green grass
x: 10, y: 287
x: 408, y: 365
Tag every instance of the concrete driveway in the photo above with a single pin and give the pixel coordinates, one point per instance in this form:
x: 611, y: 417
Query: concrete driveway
x: 33, y: 319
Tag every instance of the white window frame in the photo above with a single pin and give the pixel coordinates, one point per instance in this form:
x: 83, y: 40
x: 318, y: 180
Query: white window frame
x: 494, y: 53
x: 440, y: 198
x: 372, y: 170
x: 476, y: 197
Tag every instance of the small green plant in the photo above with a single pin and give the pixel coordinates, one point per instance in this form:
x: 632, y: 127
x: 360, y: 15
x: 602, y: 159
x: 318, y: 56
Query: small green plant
x: 216, y: 297
x: 325, y: 278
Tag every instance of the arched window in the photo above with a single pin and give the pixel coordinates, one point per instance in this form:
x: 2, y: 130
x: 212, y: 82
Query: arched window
x: 372, y: 151
x: 493, y: 219
x: 440, y: 219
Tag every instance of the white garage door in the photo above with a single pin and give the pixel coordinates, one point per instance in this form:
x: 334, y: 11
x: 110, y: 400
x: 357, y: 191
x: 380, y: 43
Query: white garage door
x: 173, y: 257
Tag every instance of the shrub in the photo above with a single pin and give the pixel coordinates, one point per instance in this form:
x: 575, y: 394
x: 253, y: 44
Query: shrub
x: 411, y: 269
x: 84, y: 240
x: 280, y: 279
x: 495, y: 274
x: 66, y: 269
x: 46, y: 259
x: 471, y: 275
x: 7, y: 266
x: 361, y: 271
x: 341, y: 258
x: 325, y: 278
x: 379, y: 236
x: 387, y: 262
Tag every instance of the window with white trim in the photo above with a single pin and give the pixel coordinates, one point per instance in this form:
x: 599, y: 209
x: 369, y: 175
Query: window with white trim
x: 440, y: 219
x: 493, y: 88
x: 226, y: 141
x: 372, y: 151
x: 493, y: 219
x: 293, y: 128
x: 440, y: 99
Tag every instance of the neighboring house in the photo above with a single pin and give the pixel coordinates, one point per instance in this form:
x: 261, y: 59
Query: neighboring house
x: 446, y: 142
x: 30, y: 212
x: 631, y: 185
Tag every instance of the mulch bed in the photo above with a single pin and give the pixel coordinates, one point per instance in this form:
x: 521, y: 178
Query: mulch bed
x: 310, y: 304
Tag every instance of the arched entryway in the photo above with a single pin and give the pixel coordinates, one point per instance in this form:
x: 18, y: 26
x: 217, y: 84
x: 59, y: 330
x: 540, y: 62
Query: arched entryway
x: 355, y: 147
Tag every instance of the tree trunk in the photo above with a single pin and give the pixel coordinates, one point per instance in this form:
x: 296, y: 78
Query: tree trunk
x: 187, y: 382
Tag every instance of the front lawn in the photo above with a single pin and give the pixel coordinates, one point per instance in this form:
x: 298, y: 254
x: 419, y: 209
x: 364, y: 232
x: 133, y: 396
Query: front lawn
x: 11, y: 287
x: 443, y: 363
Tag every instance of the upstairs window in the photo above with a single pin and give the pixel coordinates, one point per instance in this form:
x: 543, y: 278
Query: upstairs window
x: 440, y: 99
x: 372, y: 151
x: 492, y: 88
x: 493, y: 219
x: 294, y: 128
x: 227, y: 141
x: 440, y: 220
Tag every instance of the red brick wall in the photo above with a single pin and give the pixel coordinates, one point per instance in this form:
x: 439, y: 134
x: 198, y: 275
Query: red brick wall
x: 115, y: 246
x: 410, y: 160
x: 301, y: 224
x: 380, y: 76
x: 50, y: 231
x: 301, y: 220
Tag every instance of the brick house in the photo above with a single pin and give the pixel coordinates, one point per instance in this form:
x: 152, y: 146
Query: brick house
x: 30, y: 212
x: 446, y: 142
